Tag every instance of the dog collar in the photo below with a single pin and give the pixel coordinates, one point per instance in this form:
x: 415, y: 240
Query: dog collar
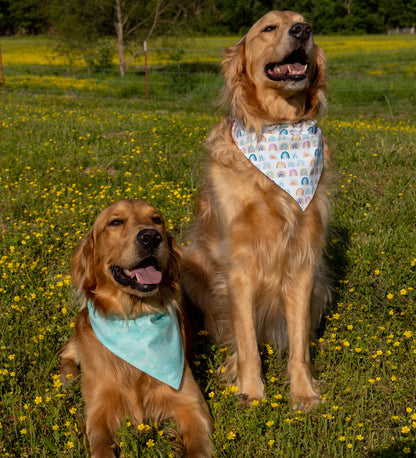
x: 151, y: 343
x: 290, y: 154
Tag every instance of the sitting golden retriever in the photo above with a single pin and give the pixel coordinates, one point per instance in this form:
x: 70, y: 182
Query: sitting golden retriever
x: 128, y: 335
x: 254, y: 266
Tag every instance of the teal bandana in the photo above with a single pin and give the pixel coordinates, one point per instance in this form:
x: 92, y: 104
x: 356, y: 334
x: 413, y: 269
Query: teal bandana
x: 290, y: 154
x: 152, y: 343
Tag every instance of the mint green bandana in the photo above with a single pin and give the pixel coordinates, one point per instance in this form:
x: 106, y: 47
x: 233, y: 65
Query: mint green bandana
x: 152, y: 343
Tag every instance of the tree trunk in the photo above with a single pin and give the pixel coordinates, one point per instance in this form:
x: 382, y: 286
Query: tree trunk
x: 120, y: 38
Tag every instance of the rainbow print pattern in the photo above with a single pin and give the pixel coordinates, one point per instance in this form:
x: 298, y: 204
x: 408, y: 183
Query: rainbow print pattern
x: 290, y: 154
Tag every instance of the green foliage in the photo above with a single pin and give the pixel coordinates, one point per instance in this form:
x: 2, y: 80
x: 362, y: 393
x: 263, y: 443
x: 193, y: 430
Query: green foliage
x: 27, y: 17
x: 99, y: 57
x: 91, y: 17
x: 78, y: 21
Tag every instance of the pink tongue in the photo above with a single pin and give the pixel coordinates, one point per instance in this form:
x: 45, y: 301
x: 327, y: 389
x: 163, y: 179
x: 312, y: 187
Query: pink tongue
x: 298, y: 67
x: 147, y: 275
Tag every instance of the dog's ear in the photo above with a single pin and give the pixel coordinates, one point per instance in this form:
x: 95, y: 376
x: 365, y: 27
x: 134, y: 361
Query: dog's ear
x: 239, y: 90
x: 82, y: 272
x: 233, y: 64
x: 319, y: 83
x: 234, y: 71
x: 175, y: 263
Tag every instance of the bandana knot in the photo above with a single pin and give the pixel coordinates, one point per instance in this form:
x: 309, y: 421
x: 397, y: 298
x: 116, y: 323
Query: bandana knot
x: 290, y: 154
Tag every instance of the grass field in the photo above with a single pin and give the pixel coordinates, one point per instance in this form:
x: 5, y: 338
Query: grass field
x: 72, y: 142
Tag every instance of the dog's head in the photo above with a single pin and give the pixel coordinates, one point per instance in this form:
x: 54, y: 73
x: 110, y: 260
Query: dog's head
x: 275, y: 73
x: 127, y: 258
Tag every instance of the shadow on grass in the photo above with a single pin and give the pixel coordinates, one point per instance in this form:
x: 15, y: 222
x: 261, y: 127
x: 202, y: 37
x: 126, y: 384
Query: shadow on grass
x: 337, y: 261
x: 398, y: 449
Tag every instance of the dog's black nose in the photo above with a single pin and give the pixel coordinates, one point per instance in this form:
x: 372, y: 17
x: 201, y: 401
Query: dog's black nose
x: 300, y: 30
x: 149, y: 238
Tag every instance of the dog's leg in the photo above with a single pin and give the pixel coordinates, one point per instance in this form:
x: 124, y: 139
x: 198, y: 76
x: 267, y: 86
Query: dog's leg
x: 105, y: 411
x: 249, y: 380
x: 297, y: 306
x: 191, y: 414
x: 69, y: 357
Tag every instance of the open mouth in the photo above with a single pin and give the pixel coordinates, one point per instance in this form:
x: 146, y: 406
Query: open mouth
x: 144, y: 277
x: 293, y: 68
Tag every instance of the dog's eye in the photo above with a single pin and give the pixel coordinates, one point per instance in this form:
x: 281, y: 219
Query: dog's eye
x: 116, y: 222
x: 269, y: 28
x: 157, y: 220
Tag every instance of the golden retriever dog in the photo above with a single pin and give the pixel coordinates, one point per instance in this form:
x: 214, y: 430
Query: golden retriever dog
x: 128, y: 335
x: 254, y: 267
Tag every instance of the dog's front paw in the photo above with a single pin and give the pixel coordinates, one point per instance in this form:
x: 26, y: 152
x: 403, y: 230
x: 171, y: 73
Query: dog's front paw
x: 304, y: 403
x: 249, y: 381
x: 304, y: 389
x: 307, y: 399
x: 248, y: 394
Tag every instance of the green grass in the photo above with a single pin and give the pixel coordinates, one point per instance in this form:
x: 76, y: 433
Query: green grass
x: 67, y: 152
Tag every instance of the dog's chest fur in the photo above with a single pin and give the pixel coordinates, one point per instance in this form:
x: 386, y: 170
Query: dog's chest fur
x: 259, y: 214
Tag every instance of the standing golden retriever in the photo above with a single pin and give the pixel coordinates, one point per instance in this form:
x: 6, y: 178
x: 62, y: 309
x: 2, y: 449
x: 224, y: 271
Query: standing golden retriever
x: 254, y: 268
x: 128, y: 335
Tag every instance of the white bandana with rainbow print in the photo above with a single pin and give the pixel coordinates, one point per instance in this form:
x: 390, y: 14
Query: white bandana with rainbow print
x: 290, y: 154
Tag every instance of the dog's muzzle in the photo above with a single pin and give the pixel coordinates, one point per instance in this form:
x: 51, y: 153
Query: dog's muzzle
x: 146, y: 275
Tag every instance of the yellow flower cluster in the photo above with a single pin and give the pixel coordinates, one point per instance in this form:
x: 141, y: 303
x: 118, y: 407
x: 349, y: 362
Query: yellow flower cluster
x: 64, y: 83
x: 341, y: 46
x: 372, y: 125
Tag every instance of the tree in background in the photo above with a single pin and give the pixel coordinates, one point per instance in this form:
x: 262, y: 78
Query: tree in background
x: 80, y: 30
x: 4, y: 16
x: 326, y: 16
x: 137, y: 20
x: 23, y: 17
x: 84, y: 24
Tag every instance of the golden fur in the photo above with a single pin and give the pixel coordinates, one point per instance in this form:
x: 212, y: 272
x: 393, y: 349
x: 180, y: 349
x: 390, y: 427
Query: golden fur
x: 254, y: 267
x: 112, y: 388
